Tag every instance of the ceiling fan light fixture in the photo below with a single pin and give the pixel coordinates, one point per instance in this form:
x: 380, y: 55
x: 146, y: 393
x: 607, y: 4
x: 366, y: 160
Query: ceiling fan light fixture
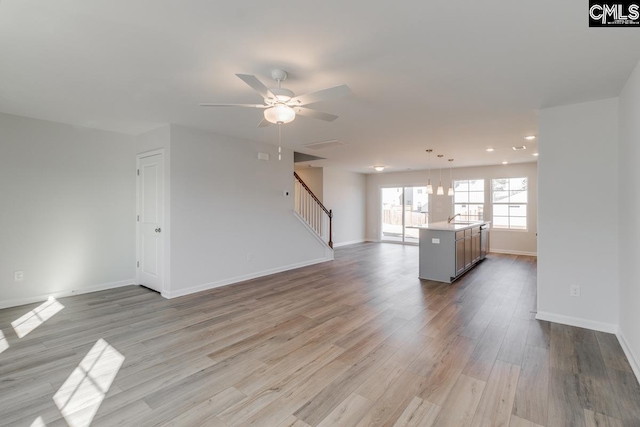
x: 280, y: 114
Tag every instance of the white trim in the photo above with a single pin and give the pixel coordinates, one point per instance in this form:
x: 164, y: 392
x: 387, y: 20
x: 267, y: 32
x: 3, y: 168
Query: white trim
x: 243, y: 278
x: 578, y: 322
x: 350, y: 242
x: 633, y: 360
x: 328, y: 249
x: 510, y: 252
x: 61, y: 294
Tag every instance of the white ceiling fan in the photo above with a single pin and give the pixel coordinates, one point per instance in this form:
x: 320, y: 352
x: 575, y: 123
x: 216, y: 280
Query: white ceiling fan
x: 281, y: 105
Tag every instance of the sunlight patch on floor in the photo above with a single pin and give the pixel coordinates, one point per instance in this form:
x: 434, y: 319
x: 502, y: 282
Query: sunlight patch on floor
x: 82, y: 393
x: 38, y: 422
x: 36, y: 317
x: 4, y: 344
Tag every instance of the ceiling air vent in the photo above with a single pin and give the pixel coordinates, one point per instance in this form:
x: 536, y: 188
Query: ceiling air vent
x: 324, y: 144
x: 522, y: 147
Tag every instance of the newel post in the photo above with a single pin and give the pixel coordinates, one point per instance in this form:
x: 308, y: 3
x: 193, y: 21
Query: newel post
x: 331, y: 228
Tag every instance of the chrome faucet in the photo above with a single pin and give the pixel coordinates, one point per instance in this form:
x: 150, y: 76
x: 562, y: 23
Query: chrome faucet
x: 452, y: 218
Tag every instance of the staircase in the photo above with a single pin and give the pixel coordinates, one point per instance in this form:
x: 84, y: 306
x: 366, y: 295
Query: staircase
x: 311, y: 210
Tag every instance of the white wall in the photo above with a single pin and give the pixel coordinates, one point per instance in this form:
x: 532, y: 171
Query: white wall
x: 629, y: 232
x: 67, y: 216
x: 229, y: 218
x: 578, y: 212
x: 345, y: 194
x: 313, y: 177
x: 440, y: 207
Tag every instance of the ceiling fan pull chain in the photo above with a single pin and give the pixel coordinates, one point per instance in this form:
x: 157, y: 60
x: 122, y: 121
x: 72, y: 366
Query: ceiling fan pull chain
x: 279, y: 141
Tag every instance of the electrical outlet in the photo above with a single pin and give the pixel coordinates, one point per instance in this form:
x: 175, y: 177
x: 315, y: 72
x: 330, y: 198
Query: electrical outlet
x: 18, y: 275
x: 248, y: 256
x: 435, y: 241
x: 574, y: 290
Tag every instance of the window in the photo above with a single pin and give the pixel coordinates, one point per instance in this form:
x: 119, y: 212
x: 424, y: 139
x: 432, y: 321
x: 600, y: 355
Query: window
x: 509, y: 197
x: 468, y: 199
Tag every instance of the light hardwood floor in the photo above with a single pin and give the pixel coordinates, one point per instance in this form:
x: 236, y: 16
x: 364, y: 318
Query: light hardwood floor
x: 360, y: 341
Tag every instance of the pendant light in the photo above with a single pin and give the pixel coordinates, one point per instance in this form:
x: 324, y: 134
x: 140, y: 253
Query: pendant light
x: 429, y: 186
x: 440, y: 191
x: 450, y: 192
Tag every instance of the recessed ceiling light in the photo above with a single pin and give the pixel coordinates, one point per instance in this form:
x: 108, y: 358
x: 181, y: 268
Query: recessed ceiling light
x: 505, y: 163
x: 379, y: 168
x: 530, y: 137
x: 535, y: 154
x: 522, y: 147
x: 490, y: 149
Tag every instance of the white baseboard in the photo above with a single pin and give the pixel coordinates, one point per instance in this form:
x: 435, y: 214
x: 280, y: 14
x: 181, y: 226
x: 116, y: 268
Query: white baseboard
x: 631, y: 357
x: 510, y: 252
x: 243, y: 278
x: 578, y: 322
x: 61, y: 294
x: 350, y: 242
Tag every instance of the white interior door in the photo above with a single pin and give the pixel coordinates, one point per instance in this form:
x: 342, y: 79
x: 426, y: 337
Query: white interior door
x: 150, y: 221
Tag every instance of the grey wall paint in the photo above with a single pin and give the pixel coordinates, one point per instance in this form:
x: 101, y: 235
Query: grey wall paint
x: 313, y: 177
x: 345, y: 194
x: 68, y: 206
x: 629, y: 233
x: 229, y: 216
x: 578, y: 212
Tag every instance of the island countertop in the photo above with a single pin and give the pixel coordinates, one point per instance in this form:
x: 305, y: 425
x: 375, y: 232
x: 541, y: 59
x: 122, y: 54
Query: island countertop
x: 453, y: 226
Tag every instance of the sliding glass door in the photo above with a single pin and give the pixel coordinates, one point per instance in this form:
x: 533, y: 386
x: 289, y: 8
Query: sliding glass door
x: 403, y: 207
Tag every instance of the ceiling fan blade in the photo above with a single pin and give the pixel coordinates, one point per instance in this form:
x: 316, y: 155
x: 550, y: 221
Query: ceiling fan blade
x: 257, y: 85
x: 321, y: 95
x: 308, y: 112
x: 235, y: 105
x: 263, y: 123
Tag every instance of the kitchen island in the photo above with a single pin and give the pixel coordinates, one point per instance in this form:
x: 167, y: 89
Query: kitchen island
x: 448, y: 250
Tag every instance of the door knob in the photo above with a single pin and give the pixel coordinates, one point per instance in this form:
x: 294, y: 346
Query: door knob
x: 158, y: 230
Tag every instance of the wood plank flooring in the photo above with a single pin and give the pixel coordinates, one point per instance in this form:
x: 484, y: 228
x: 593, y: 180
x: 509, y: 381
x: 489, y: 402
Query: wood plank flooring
x: 360, y: 341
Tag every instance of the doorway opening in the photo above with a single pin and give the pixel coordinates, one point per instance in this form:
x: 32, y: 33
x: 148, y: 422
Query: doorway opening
x: 403, y: 207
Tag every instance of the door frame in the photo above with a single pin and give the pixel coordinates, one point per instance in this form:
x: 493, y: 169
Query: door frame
x: 166, y: 226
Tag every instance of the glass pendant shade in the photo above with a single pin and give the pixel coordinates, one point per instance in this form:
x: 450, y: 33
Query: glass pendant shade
x: 279, y: 114
x: 429, y: 188
x: 450, y: 192
x: 440, y: 191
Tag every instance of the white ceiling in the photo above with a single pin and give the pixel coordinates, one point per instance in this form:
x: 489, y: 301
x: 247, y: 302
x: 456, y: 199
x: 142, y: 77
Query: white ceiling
x: 455, y: 76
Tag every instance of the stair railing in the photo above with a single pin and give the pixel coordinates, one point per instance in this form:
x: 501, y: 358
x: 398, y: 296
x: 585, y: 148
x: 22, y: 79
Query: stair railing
x: 311, y: 209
